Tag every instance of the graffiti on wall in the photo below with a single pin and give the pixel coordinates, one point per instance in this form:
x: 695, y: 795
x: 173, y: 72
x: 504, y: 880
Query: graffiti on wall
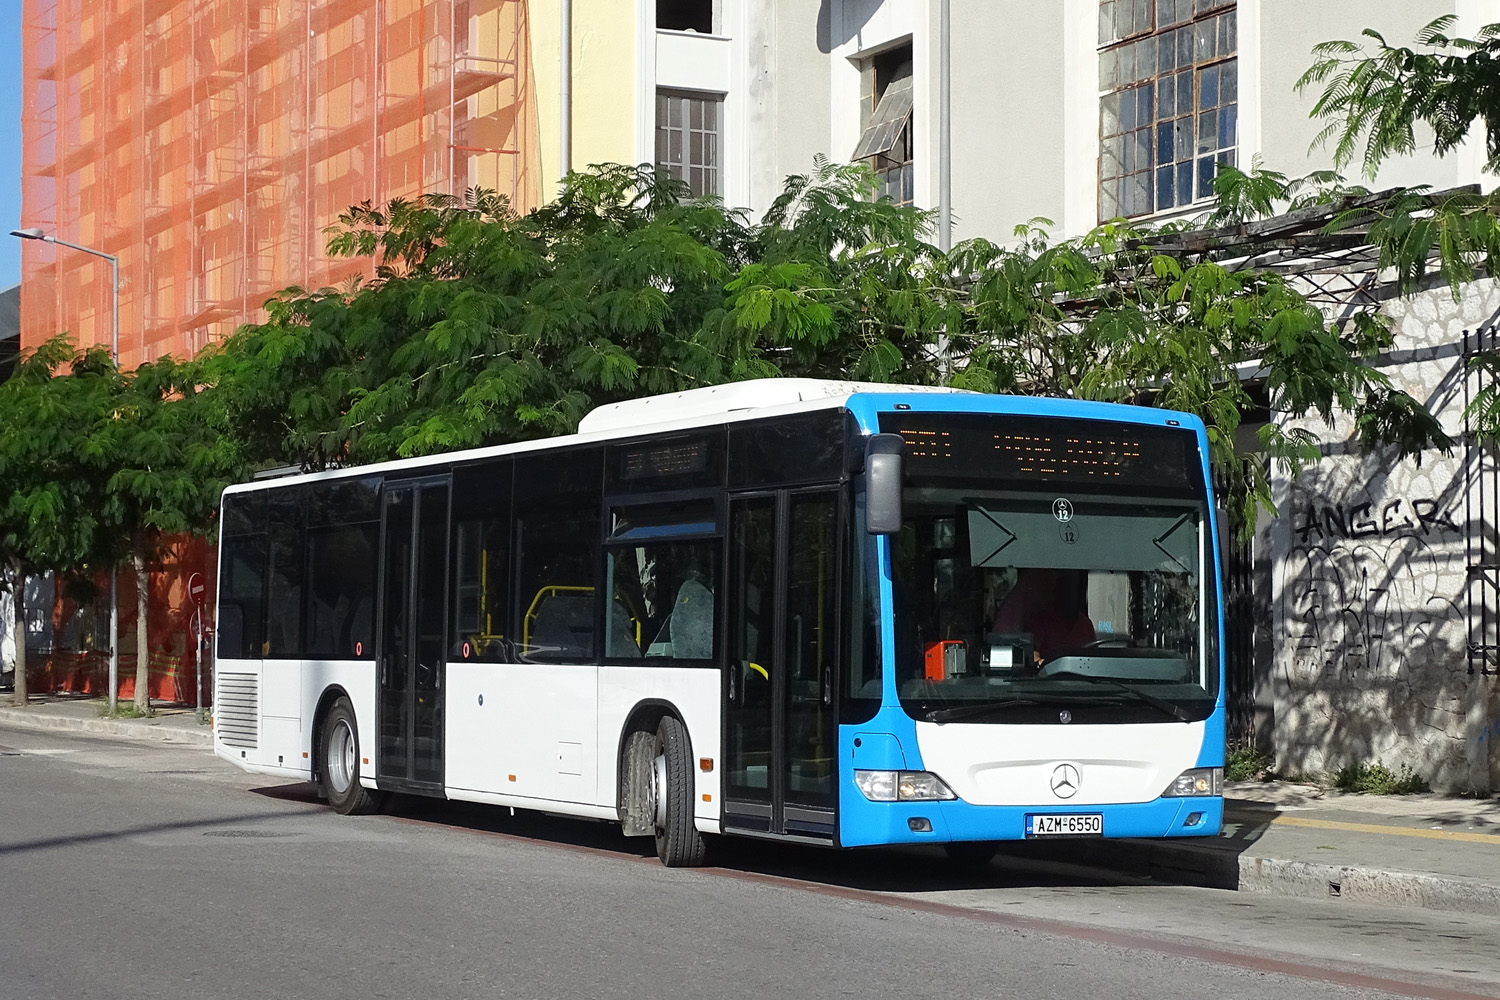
x: 1368, y: 586
x: 1396, y: 518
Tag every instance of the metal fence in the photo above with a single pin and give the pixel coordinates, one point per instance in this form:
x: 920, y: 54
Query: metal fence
x: 1481, y: 507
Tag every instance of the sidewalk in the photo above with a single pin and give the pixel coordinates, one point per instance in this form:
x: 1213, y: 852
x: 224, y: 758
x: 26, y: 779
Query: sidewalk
x: 1301, y: 840
x: 172, y: 724
x: 1291, y: 840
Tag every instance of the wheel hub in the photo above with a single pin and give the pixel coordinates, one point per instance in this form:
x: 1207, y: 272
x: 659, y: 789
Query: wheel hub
x: 659, y: 791
x: 341, y: 762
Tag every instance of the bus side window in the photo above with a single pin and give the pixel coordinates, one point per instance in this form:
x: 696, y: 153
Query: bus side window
x: 662, y: 596
x: 341, y: 571
x: 242, y: 597
x: 284, y: 522
x: 663, y: 569
x: 481, y: 564
x: 343, y: 545
x: 242, y: 577
x: 558, y: 496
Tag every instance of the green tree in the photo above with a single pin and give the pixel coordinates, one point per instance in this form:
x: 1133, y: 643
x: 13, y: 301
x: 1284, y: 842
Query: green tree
x: 52, y: 412
x: 1375, y: 100
x: 481, y: 327
x: 167, y: 466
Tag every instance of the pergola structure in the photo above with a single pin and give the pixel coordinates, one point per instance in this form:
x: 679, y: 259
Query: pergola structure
x: 1325, y: 247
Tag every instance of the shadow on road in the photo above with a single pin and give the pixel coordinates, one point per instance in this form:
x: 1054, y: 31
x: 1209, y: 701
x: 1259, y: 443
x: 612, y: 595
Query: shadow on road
x: 1071, y: 864
x: 146, y: 829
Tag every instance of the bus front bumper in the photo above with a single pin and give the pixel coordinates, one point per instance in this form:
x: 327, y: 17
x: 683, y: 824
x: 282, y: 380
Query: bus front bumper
x: 866, y: 823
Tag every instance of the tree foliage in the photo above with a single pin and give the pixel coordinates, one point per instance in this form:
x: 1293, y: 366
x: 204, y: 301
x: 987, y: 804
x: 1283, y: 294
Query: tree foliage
x: 54, y: 412
x: 1374, y: 100
x: 53, y: 466
x: 166, y: 468
x: 480, y: 326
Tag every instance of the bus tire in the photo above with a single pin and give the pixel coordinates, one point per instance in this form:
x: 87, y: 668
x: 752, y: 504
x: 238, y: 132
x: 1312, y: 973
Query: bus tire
x: 338, y: 763
x: 678, y: 842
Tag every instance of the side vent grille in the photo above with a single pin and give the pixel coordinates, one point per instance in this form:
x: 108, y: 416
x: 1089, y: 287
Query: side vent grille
x: 236, y: 710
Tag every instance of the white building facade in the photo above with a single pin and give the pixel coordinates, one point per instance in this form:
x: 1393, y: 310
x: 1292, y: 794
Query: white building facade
x: 1374, y: 624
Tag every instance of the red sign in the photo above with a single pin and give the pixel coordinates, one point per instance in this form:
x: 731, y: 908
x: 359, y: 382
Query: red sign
x: 196, y: 589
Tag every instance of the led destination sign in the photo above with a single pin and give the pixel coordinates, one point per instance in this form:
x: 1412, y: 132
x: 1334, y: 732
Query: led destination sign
x: 1045, y: 449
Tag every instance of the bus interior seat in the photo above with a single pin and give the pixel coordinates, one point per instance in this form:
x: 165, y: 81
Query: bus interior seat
x: 622, y: 634
x: 693, y: 622
x: 564, y: 626
x: 688, y: 633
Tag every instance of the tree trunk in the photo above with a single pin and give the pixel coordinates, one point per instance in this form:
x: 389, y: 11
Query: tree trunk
x: 18, y: 583
x: 142, y: 645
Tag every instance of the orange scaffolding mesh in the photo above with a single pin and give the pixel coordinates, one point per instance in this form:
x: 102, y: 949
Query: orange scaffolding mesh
x: 209, y: 143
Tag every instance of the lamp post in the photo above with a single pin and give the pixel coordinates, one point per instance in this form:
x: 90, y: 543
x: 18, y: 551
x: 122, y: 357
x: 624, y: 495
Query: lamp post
x: 945, y: 126
x: 945, y: 159
x: 114, y: 593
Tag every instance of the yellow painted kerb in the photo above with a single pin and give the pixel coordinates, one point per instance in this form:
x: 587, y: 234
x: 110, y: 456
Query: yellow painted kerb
x: 1396, y: 831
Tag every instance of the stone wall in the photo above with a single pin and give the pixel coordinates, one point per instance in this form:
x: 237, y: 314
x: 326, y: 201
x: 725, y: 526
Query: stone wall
x: 1369, y: 582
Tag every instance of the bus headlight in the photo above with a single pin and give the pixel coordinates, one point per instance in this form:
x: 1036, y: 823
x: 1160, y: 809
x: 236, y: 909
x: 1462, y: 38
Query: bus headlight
x: 902, y: 786
x: 1196, y: 781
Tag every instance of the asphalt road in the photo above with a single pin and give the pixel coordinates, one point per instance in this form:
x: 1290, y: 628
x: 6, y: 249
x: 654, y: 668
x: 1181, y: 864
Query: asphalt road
x: 131, y: 870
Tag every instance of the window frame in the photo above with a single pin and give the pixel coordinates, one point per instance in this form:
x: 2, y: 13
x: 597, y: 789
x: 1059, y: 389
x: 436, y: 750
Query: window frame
x: 881, y: 71
x: 684, y: 170
x: 1135, y: 93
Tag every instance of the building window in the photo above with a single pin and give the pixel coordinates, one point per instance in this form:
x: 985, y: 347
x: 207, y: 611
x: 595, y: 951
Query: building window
x: 885, y: 110
x: 1169, y: 102
x: 685, y: 15
x: 687, y: 139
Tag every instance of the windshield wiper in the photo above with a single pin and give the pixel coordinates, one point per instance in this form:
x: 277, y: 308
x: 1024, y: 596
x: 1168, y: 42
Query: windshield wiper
x: 941, y: 715
x: 1146, y: 697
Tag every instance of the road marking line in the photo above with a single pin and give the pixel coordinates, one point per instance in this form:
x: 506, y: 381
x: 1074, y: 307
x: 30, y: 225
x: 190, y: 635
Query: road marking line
x: 1398, y: 831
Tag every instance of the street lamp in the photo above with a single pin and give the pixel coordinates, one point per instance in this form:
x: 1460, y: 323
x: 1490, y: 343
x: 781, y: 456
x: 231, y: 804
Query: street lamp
x: 114, y: 591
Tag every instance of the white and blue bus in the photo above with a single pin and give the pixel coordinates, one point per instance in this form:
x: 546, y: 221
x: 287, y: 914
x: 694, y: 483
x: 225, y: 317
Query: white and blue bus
x: 831, y: 613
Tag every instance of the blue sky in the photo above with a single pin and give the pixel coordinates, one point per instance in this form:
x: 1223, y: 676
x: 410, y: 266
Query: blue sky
x: 10, y: 148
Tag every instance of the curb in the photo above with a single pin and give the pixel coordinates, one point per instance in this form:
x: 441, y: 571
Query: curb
x: 1368, y: 885
x: 1218, y: 868
x: 144, y: 729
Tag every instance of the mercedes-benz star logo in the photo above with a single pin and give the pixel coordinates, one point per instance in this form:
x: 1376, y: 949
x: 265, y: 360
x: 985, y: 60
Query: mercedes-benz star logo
x: 1065, y: 716
x: 1065, y: 781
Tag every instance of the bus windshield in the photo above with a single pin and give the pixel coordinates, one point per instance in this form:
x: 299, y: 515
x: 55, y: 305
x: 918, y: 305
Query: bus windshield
x: 1017, y: 606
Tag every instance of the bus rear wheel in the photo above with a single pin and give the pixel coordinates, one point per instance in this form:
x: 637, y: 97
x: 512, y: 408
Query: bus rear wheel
x: 338, y: 765
x: 678, y: 842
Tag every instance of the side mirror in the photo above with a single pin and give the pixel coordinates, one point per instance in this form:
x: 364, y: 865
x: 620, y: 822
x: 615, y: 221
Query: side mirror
x: 883, y: 482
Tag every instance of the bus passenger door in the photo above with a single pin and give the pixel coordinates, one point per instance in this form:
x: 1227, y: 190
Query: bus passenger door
x: 779, y: 752
x: 414, y: 567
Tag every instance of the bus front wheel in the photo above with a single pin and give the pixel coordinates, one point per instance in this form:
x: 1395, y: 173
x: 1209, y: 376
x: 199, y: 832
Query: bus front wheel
x: 338, y: 772
x: 678, y: 842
